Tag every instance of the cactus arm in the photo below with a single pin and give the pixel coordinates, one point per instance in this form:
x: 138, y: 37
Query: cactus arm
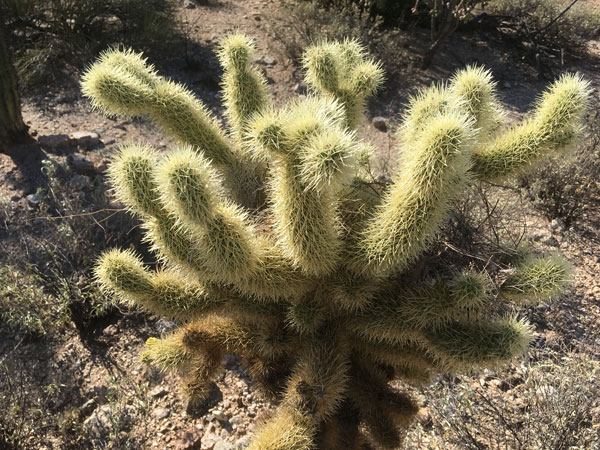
x: 537, y: 279
x: 243, y: 86
x: 465, y: 345
x: 325, y: 65
x: 191, y: 193
x: 121, y: 83
x: 287, y: 430
x: 304, y: 218
x: 383, y: 412
x: 434, y: 172
x: 474, y: 91
x: 162, y: 293
x: 554, y: 127
x: 394, y: 316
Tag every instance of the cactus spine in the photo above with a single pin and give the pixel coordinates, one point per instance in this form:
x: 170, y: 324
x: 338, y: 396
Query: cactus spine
x: 311, y: 292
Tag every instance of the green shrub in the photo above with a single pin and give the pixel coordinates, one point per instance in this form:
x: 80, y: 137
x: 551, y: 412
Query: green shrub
x: 532, y: 19
x: 546, y: 405
x: 296, y: 26
x: 24, y: 304
x: 44, y: 32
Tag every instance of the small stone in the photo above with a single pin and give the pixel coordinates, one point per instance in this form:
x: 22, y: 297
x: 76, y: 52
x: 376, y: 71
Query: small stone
x: 110, y: 330
x: 161, y: 413
x: 589, y: 251
x: 87, y: 408
x: 507, y: 84
x: 268, y: 61
x: 33, y: 199
x: 558, y: 225
x: 551, y: 241
x: 189, y: 440
x: 190, y: 4
x: 223, y: 445
x: 158, y: 391
x: 220, y: 416
x: 80, y: 182
x: 235, y: 421
x: 54, y: 140
x: 81, y: 165
x: 242, y: 443
x: 381, y: 123
x: 208, y: 441
x: 85, y: 138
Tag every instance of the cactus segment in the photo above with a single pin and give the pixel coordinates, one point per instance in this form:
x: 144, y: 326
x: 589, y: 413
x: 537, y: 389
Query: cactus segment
x: 537, y: 279
x: 553, y: 127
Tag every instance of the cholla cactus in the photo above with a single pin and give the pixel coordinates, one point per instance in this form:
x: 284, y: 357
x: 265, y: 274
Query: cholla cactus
x: 315, y: 291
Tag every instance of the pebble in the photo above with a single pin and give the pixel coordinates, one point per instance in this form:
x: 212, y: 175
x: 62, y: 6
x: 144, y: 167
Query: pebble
x: 33, y: 199
x: 110, y: 330
x: 87, y: 408
x: 223, y: 445
x: 81, y: 165
x: 242, y: 443
x: 381, y: 123
x: 157, y: 392
x: 54, y: 140
x: 300, y: 89
x: 80, y: 182
x: 208, y: 441
x: 85, y: 138
x: 161, y: 413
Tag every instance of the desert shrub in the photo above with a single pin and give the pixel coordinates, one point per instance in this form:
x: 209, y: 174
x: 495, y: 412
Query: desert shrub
x: 24, y: 304
x: 545, y: 405
x: 78, y: 221
x: 296, y: 26
x: 45, y: 32
x: 390, y: 10
x: 319, y: 288
x: 568, y: 189
x: 540, y: 23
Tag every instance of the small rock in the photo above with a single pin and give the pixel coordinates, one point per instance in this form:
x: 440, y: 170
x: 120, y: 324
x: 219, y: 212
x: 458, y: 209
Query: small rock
x: 161, y: 413
x: 551, y: 241
x: 242, y: 443
x: 33, y: 199
x: 80, y: 182
x: 300, y: 89
x: 189, y: 440
x: 54, y: 140
x: 158, y: 391
x: 99, y: 130
x: 220, y: 416
x: 381, y: 123
x: 110, y: 330
x: 589, y: 251
x: 85, y: 138
x: 209, y: 441
x: 87, y: 408
x: 558, y: 225
x: 223, y: 445
x: 507, y: 84
x: 268, y: 61
x: 81, y: 165
x: 164, y: 325
x: 109, y: 141
x: 190, y: 4
x: 235, y: 420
